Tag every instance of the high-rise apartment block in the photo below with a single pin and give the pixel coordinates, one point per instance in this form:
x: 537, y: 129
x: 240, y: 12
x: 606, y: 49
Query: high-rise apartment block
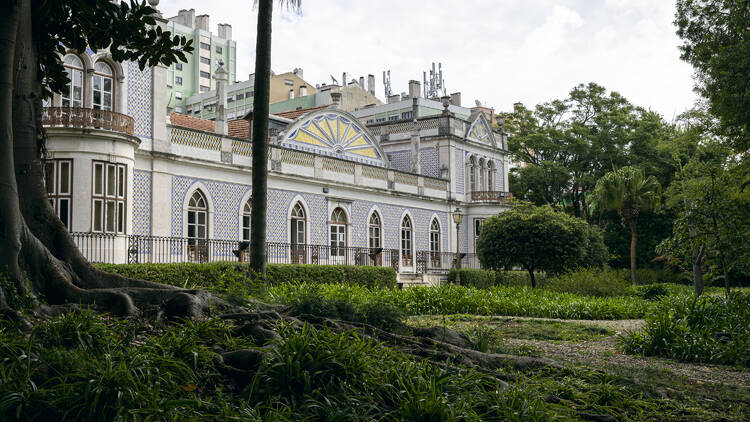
x: 197, y: 75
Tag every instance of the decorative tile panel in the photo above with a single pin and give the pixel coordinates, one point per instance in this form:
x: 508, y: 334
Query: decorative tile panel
x: 141, y: 202
x: 400, y: 160
x: 139, y: 99
x: 428, y: 158
x: 390, y: 217
x: 332, y: 133
x: 225, y: 197
x: 196, y: 139
x: 242, y: 148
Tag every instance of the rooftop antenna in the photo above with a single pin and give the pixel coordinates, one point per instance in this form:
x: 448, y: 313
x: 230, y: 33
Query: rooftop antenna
x: 335, y: 82
x: 387, y: 83
x: 435, y: 85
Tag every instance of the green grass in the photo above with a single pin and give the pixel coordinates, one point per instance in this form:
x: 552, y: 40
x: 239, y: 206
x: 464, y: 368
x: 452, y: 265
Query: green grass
x: 84, y: 367
x: 713, y: 329
x: 517, y: 328
x: 449, y: 299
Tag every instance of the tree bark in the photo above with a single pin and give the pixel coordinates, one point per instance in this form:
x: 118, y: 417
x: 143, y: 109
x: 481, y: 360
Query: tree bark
x: 633, y: 245
x: 260, y: 138
x: 533, y: 280
x: 11, y: 222
x: 698, y: 254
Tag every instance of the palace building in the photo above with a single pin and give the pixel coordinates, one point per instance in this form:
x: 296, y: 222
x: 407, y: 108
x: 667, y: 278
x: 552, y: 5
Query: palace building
x: 136, y: 185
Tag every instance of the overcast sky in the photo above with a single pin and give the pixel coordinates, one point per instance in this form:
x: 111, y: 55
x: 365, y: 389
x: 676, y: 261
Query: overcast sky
x: 497, y: 52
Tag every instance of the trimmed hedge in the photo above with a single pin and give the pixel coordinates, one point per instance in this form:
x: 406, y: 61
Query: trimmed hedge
x: 208, y: 275
x: 484, y: 279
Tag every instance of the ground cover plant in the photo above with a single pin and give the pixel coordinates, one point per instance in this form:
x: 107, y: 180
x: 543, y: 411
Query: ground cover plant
x: 449, y: 299
x: 82, y: 366
x: 713, y: 329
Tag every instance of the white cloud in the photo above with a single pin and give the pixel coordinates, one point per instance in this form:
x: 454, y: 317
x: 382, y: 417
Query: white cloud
x: 497, y: 52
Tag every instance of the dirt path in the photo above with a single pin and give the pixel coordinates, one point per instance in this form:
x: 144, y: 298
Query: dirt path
x: 605, y: 352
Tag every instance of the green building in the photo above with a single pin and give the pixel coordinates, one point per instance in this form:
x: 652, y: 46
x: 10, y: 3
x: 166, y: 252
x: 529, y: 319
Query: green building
x: 196, y: 76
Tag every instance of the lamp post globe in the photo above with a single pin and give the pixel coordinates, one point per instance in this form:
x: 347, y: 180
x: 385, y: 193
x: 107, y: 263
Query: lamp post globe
x: 457, y: 217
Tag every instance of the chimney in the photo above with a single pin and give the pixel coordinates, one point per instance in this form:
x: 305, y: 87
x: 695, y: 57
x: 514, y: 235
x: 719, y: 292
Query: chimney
x: 343, y: 79
x: 186, y: 17
x: 456, y: 99
x: 394, y: 98
x: 201, y: 22
x: 415, y: 89
x: 336, y: 99
x: 371, y: 84
x: 225, y: 31
x: 221, y: 76
x: 298, y: 71
x: 517, y: 107
x: 362, y: 82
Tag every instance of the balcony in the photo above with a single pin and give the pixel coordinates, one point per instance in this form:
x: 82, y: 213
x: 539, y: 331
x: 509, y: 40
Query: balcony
x: 491, y: 196
x: 87, y: 118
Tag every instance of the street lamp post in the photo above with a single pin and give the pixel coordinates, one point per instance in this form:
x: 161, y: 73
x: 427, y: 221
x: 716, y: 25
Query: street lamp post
x: 457, y: 216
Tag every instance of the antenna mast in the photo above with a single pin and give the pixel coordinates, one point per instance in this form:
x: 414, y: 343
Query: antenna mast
x: 387, y: 83
x: 435, y: 85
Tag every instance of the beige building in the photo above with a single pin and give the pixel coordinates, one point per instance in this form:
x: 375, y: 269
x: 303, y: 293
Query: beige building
x: 288, y: 86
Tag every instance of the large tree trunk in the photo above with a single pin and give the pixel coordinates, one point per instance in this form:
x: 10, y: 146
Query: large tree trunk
x: 531, y: 277
x: 697, y: 258
x: 260, y: 138
x: 33, y: 241
x: 11, y: 222
x: 633, y: 245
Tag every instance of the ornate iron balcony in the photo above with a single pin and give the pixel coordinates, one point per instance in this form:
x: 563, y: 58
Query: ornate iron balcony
x: 87, y: 118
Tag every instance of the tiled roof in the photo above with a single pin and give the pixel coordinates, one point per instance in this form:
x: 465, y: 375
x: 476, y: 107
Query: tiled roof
x: 293, y: 114
x: 190, y: 122
x: 239, y: 128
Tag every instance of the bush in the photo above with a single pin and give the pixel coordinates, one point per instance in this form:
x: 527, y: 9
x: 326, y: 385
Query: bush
x: 450, y: 299
x: 537, y: 239
x: 696, y: 329
x: 480, y: 279
x: 591, y: 282
x: 232, y: 276
x: 484, y: 279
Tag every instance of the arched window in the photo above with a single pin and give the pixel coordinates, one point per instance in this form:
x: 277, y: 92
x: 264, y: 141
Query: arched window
x: 435, y: 243
x: 298, y: 234
x: 72, y: 95
x: 406, y: 242
x: 246, y: 211
x: 197, y: 227
x: 103, y: 86
x: 338, y: 233
x: 373, y: 231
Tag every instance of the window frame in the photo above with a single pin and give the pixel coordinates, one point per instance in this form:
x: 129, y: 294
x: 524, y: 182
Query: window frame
x: 407, y: 242
x: 56, y: 196
x: 71, y: 69
x: 102, y: 92
x: 117, y: 197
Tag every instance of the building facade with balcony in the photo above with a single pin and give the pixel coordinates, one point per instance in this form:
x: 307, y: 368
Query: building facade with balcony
x: 136, y: 186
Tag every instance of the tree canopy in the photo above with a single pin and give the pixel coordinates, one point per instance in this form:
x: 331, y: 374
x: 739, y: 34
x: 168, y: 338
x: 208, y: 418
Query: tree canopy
x: 538, y: 238
x: 716, y: 41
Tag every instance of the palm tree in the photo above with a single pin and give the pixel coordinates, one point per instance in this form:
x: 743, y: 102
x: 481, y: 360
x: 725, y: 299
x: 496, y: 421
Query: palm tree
x: 260, y: 132
x: 628, y: 191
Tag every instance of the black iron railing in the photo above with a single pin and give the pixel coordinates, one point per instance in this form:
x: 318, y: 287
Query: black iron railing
x: 115, y: 249
x: 96, y: 247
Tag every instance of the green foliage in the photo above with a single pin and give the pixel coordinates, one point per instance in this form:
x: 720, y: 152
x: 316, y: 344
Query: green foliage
x: 128, y: 30
x: 13, y: 298
x: 238, y: 277
x: 568, y: 144
x: 590, y: 282
x: 696, y: 329
x: 537, y: 239
x: 628, y: 191
x: 450, y: 299
x: 653, y: 228
x: 483, y: 279
x: 715, y: 41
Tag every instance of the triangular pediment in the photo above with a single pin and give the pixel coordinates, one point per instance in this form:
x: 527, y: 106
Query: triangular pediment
x: 480, y: 130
